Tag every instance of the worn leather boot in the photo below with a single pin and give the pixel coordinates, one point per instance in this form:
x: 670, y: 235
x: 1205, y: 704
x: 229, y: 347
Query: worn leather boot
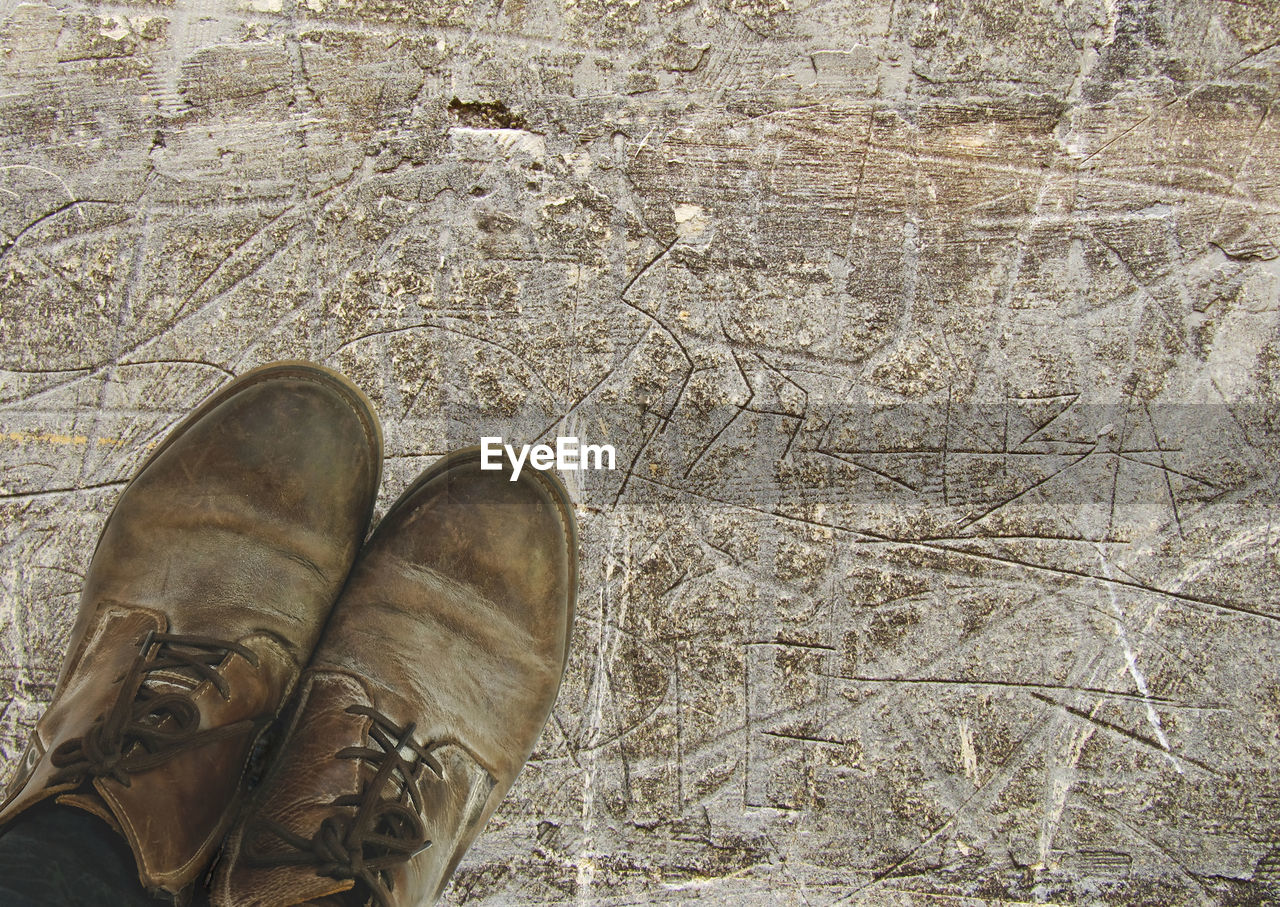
x: 207, y: 592
x: 423, y: 700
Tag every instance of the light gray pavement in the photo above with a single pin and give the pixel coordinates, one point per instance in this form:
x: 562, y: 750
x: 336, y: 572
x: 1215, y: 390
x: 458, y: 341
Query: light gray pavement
x: 938, y: 343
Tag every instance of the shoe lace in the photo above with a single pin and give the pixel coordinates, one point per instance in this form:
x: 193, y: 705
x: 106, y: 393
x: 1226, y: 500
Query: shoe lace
x: 146, y: 726
x: 385, y: 829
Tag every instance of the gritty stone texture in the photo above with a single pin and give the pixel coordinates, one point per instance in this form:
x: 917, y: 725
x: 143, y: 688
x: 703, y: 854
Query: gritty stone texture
x: 938, y: 341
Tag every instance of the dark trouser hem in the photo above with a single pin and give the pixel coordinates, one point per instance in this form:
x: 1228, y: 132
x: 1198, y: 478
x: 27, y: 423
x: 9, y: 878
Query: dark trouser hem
x: 54, y: 856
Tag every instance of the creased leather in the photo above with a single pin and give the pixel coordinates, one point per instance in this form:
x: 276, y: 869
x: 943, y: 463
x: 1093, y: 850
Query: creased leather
x: 455, y: 621
x: 301, y: 801
x: 241, y: 527
x: 87, y: 693
x: 197, y: 784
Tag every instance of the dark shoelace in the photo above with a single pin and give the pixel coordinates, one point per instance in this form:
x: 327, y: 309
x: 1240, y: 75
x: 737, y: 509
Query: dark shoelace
x: 384, y: 831
x: 146, y: 727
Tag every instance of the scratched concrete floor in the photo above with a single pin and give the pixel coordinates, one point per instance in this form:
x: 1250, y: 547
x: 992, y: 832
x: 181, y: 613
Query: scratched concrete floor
x: 939, y: 343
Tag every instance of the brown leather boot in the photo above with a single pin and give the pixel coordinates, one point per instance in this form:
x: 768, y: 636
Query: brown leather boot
x: 423, y: 700
x: 206, y: 594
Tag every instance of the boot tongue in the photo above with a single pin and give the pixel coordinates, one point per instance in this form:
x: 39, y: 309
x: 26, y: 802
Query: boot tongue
x: 302, y: 855
x: 172, y: 807
x: 178, y: 811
